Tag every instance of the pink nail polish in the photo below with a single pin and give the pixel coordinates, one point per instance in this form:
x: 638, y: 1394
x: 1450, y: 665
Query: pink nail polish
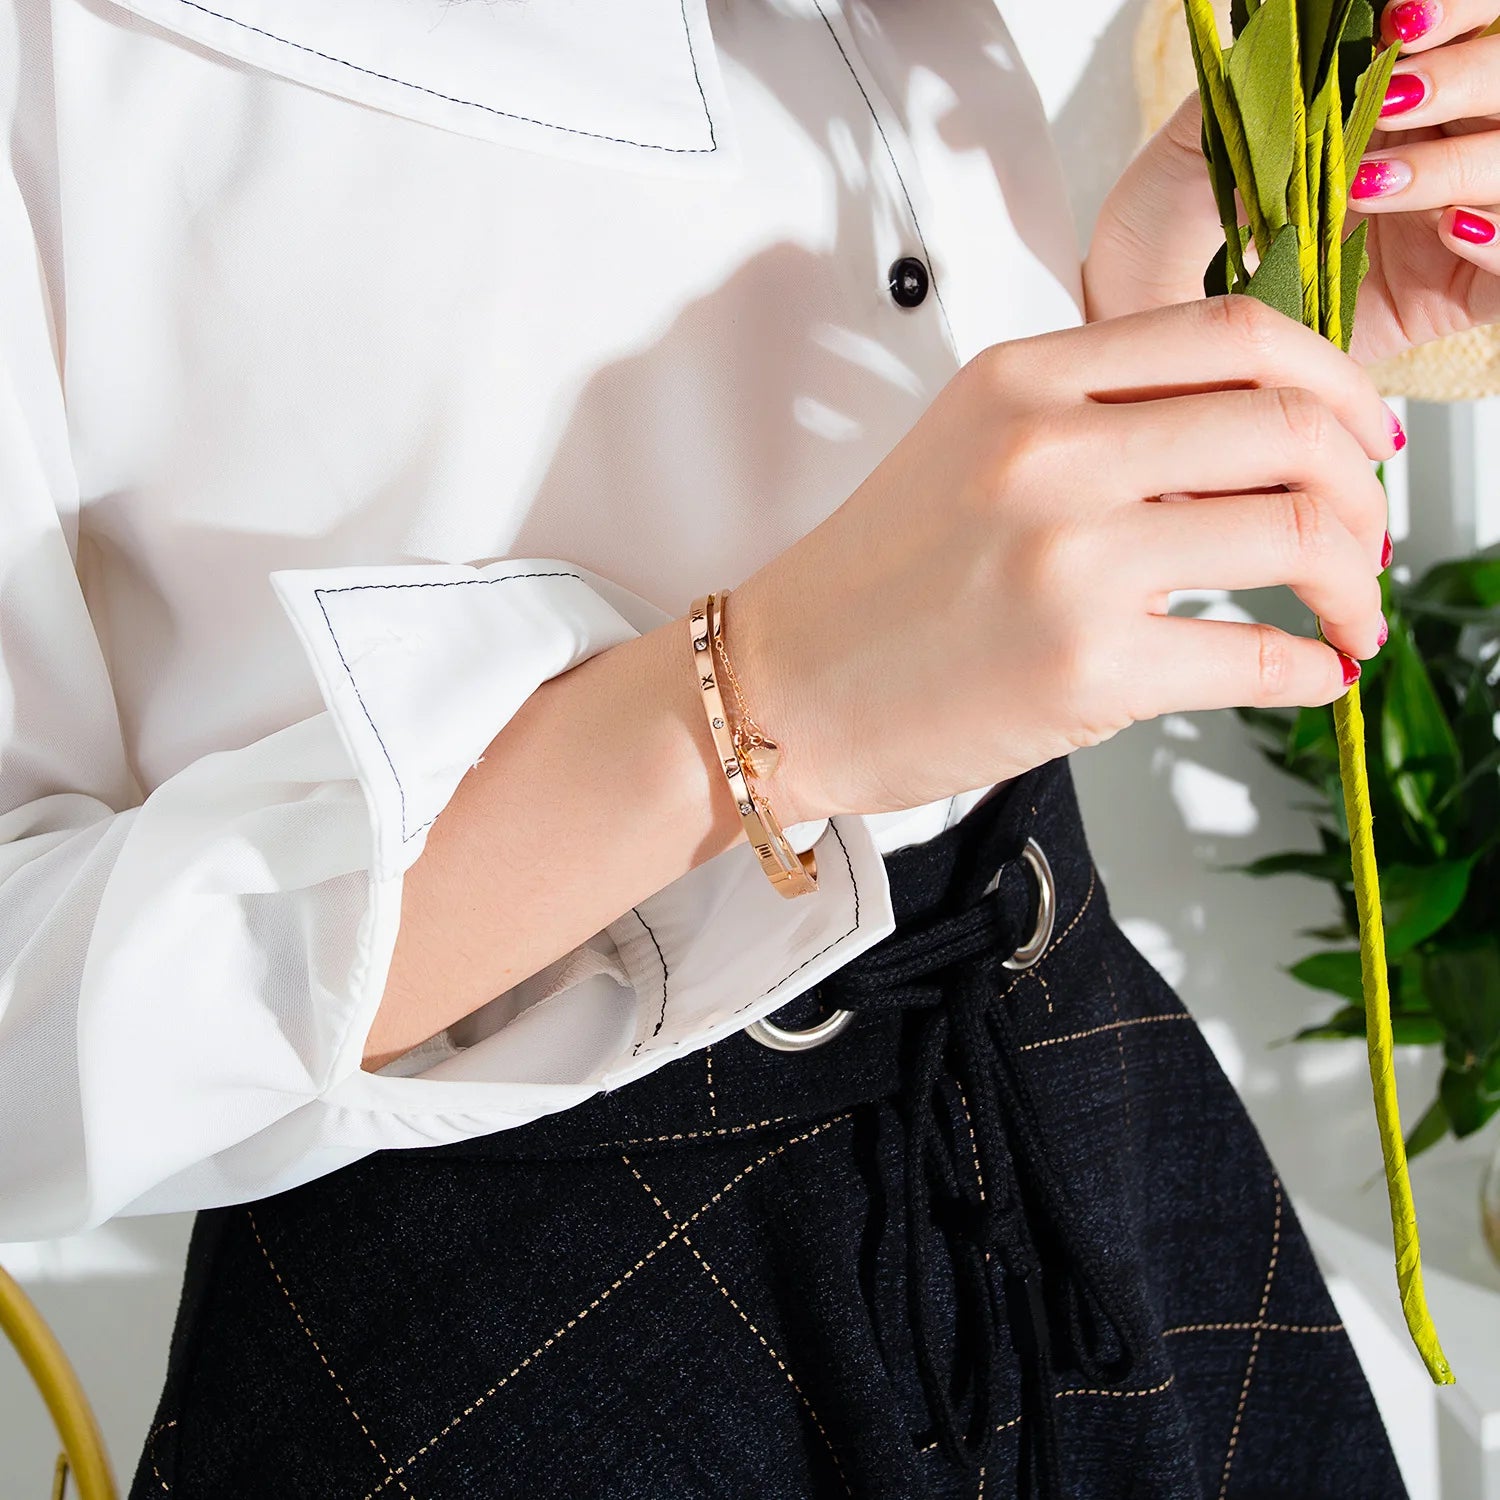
x: 1412, y: 19
x: 1394, y: 429
x: 1380, y: 178
x: 1404, y: 92
x: 1474, y: 228
x: 1387, y: 552
x: 1385, y: 633
x: 1351, y: 668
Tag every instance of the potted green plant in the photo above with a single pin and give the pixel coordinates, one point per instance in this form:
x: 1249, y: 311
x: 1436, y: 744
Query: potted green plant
x: 1432, y: 741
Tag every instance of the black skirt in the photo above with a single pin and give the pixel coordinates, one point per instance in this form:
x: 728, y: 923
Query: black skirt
x: 1007, y: 1232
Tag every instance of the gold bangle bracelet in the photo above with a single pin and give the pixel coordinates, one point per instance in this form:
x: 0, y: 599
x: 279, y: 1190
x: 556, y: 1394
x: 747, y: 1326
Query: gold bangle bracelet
x: 751, y: 745
x: 792, y: 873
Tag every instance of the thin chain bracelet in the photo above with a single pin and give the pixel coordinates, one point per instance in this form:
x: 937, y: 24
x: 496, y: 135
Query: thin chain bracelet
x: 791, y: 872
x: 753, y: 749
x: 758, y: 752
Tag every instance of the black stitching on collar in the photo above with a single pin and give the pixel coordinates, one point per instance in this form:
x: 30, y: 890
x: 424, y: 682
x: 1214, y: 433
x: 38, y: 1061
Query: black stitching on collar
x: 488, y: 108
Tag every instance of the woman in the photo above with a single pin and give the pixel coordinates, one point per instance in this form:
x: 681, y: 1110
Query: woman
x: 387, y: 389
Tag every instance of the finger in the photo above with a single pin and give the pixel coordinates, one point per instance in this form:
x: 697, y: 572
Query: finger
x: 1212, y: 343
x: 1237, y: 441
x: 1453, y: 83
x: 1262, y: 541
x: 1186, y: 665
x: 1411, y: 176
x: 1421, y: 24
x: 1471, y: 233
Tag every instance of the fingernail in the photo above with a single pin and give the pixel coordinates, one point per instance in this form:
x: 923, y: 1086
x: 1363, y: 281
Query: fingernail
x: 1404, y: 92
x: 1413, y: 18
x: 1380, y: 178
x: 1351, y: 668
x: 1474, y: 228
x: 1385, y: 633
x: 1394, y: 429
x: 1387, y: 552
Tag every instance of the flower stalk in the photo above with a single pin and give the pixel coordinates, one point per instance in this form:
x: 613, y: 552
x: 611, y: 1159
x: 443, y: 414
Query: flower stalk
x: 1275, y: 131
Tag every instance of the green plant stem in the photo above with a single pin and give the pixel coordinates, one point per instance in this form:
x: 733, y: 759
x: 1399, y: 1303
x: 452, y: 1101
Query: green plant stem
x: 1349, y: 723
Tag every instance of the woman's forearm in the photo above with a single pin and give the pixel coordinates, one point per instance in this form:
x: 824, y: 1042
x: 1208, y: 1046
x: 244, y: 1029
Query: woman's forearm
x: 602, y: 789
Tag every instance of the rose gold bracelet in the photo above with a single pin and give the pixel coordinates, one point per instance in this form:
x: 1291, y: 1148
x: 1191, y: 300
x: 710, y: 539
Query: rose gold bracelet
x: 758, y: 756
x: 792, y: 873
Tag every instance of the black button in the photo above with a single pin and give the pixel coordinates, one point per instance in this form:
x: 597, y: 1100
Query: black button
x: 908, y: 281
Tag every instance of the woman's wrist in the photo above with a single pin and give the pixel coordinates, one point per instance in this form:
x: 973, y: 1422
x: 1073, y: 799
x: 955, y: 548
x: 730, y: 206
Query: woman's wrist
x: 763, y: 670
x: 602, y: 789
x: 699, y: 771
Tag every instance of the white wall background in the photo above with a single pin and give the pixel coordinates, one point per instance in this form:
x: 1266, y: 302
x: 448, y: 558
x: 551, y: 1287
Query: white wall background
x: 1167, y: 803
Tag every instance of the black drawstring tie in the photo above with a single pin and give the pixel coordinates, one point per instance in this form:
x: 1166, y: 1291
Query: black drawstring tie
x: 977, y: 1165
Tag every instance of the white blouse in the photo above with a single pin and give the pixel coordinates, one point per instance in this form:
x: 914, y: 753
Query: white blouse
x: 362, y: 367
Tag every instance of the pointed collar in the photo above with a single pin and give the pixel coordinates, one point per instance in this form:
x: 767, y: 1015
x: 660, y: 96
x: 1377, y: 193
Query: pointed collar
x: 630, y: 83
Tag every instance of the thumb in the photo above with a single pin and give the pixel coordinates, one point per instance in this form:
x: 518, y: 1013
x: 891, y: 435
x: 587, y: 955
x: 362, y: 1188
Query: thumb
x: 1159, y: 226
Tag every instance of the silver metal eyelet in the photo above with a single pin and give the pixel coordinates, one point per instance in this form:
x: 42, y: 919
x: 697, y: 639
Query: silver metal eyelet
x: 1046, y: 912
x: 779, y: 1039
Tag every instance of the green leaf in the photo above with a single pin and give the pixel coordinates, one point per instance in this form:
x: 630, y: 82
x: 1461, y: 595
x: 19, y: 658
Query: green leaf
x: 1226, y: 271
x: 1471, y: 1097
x: 1223, y: 136
x: 1325, y: 866
x: 1322, y: 24
x: 1461, y: 983
x: 1240, y: 12
x: 1483, y: 770
x: 1356, y: 46
x: 1369, y: 95
x: 1347, y: 1022
x: 1419, y: 900
x: 1274, y: 721
x: 1319, y: 92
x: 1354, y: 262
x: 1473, y: 582
x: 1420, y: 751
x: 1429, y: 1130
x: 1265, y: 83
x: 1407, y: 993
x: 1338, y: 933
x: 1312, y: 737
x: 1278, y: 278
x: 1314, y: 18
x: 1408, y: 1030
x: 1356, y: 50
x: 1476, y: 799
x: 1424, y: 610
x: 1218, y: 280
x: 1329, y: 174
x: 1334, y: 971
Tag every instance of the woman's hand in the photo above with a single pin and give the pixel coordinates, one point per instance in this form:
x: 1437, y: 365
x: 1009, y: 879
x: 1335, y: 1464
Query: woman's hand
x: 1429, y: 183
x: 995, y: 594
